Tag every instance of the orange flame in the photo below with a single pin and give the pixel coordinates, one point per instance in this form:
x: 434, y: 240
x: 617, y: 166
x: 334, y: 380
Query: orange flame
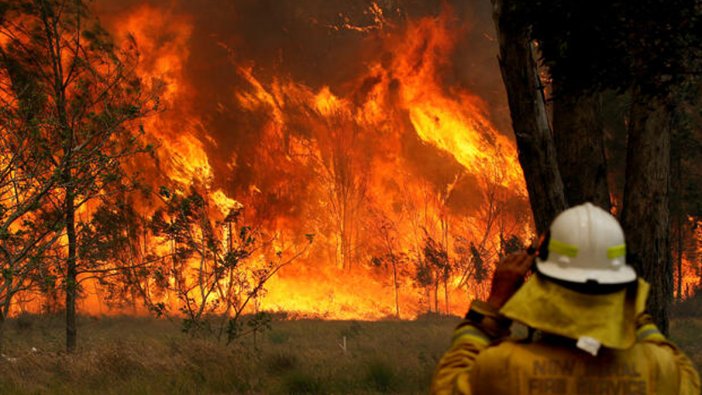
x: 392, y: 172
x: 358, y: 170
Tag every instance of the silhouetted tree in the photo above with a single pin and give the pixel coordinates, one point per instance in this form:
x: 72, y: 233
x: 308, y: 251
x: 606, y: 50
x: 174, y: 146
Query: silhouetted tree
x: 85, y: 101
x: 214, y: 273
x: 649, y: 50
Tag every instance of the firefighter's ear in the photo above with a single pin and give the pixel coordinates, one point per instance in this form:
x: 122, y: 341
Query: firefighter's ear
x: 543, y: 245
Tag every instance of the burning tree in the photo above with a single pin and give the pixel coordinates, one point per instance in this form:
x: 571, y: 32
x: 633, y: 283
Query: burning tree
x: 299, y: 152
x: 343, y: 169
x: 470, y: 261
x: 112, y: 246
x: 436, y: 268
x: 29, y: 217
x: 686, y: 201
x: 84, y: 98
x: 216, y: 269
x: 391, y: 257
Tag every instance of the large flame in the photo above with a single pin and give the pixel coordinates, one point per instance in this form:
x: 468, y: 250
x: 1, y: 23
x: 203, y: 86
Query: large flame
x: 353, y: 143
x: 386, y: 169
x: 406, y: 96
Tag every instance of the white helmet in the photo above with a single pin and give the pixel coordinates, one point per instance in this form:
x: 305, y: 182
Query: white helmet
x: 586, y: 244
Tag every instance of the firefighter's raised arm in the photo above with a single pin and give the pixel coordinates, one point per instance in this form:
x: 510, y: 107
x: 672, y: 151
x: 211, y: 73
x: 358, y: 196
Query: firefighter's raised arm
x: 482, y: 325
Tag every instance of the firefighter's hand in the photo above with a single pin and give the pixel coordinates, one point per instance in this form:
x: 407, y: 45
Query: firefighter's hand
x: 509, y: 276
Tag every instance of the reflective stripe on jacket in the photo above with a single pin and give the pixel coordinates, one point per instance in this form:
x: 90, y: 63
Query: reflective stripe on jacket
x: 555, y: 366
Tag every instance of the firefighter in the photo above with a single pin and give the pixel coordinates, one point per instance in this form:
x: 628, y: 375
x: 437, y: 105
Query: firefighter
x: 585, y: 307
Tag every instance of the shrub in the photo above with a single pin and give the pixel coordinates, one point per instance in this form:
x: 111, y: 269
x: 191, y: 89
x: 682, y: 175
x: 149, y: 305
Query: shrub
x: 434, y: 316
x: 278, y: 337
x: 300, y: 383
x: 353, y: 330
x: 281, y: 362
x: 380, y: 376
x: 690, y: 307
x: 25, y: 322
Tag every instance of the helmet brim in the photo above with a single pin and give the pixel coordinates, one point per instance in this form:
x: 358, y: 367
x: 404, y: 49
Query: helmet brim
x: 623, y: 274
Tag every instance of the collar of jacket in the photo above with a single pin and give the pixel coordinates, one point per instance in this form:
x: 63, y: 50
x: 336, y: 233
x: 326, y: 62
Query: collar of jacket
x: 608, y: 318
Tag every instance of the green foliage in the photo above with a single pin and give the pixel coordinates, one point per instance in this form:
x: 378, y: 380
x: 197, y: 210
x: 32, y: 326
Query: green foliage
x: 436, y: 260
x: 240, y: 325
x: 66, y: 138
x: 471, y: 261
x: 214, y: 275
x: 108, y: 231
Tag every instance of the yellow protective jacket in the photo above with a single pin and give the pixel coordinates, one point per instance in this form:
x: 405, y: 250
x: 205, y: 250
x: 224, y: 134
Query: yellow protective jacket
x: 554, y: 366
x: 650, y: 364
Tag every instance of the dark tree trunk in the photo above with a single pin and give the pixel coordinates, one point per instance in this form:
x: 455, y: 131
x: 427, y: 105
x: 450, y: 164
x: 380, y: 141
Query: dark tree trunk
x: 579, y: 139
x: 679, y: 235
x: 71, y: 273
x: 396, y: 286
x: 678, y: 214
x: 537, y: 153
x: 436, y: 295
x: 30, y: 97
x: 427, y: 291
x: 57, y: 58
x: 69, y: 212
x: 645, y: 216
x: 3, y: 315
x: 446, y: 295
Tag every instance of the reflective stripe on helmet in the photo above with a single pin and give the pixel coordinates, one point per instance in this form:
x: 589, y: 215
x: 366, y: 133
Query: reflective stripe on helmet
x: 616, y: 251
x: 587, y: 244
x: 562, y: 248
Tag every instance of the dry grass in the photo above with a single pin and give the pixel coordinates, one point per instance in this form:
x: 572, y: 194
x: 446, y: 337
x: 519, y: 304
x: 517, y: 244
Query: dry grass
x: 122, y: 355
x: 686, y: 326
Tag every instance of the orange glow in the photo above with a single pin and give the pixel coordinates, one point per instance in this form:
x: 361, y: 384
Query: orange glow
x: 691, y: 270
x: 454, y: 122
x: 368, y: 182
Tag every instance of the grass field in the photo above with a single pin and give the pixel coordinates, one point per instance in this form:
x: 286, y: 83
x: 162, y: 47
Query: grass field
x: 123, y: 355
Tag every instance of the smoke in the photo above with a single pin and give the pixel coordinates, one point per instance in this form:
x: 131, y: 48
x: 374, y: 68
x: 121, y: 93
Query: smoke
x: 333, y: 118
x: 313, y: 42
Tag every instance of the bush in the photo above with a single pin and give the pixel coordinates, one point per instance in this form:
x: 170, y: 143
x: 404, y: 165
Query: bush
x: 278, y: 337
x: 690, y: 307
x: 434, y: 316
x: 116, y: 361
x: 25, y: 322
x: 380, y: 376
x: 281, y: 362
x: 300, y: 383
x: 353, y: 330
